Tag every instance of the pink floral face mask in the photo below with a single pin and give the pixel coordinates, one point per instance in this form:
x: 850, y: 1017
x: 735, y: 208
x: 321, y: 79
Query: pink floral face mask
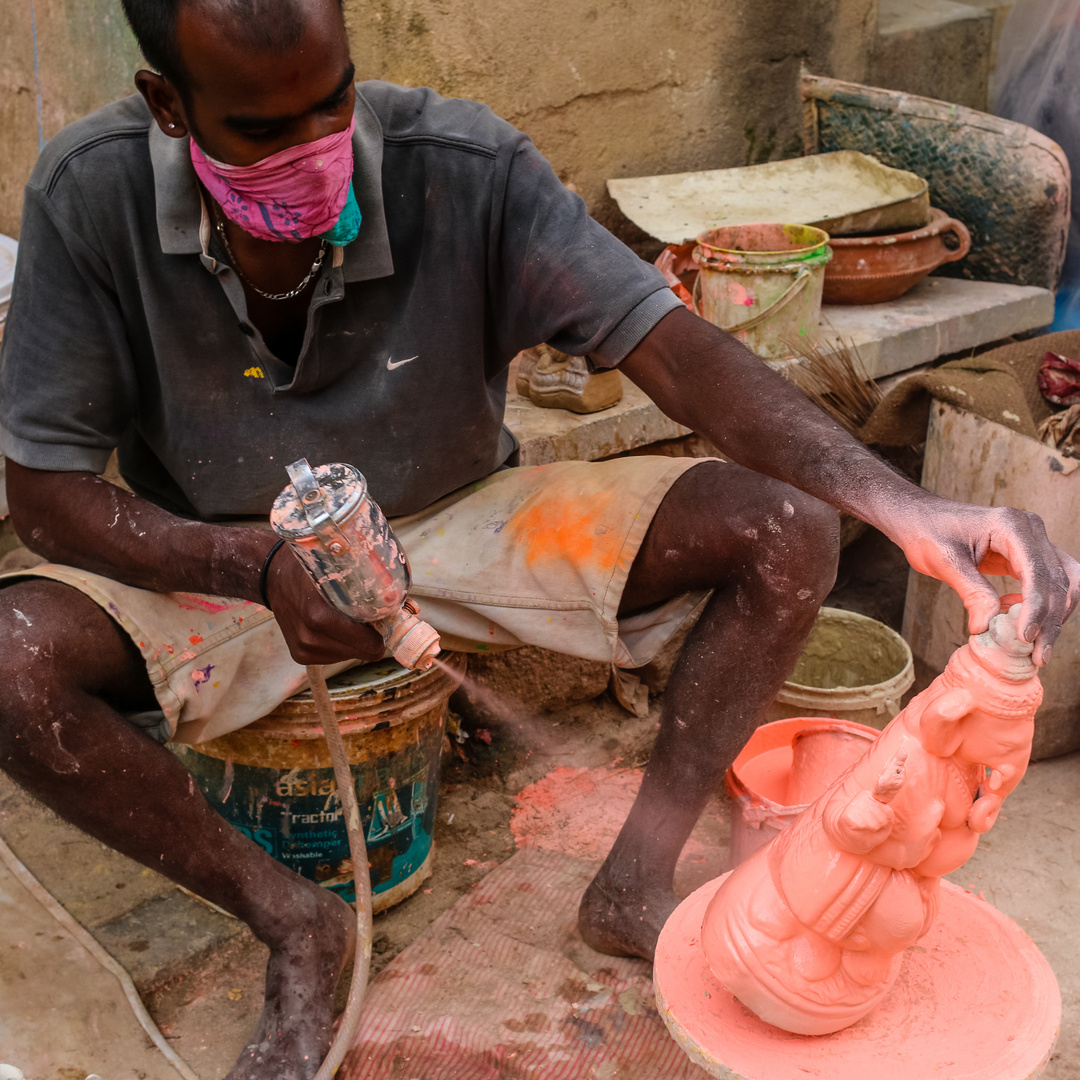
x: 303, y: 191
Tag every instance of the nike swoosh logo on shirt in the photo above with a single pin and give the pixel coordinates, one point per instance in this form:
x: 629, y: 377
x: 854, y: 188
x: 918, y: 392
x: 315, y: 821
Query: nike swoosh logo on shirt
x: 391, y: 364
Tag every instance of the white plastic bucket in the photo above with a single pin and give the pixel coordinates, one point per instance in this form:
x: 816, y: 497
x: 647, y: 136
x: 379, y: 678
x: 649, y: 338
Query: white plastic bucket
x: 852, y: 668
x: 784, y: 767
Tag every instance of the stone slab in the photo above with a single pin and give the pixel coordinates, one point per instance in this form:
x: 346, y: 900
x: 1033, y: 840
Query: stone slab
x: 938, y: 317
x: 94, y: 883
x: 166, y: 937
x: 548, y: 435
x: 62, y: 1014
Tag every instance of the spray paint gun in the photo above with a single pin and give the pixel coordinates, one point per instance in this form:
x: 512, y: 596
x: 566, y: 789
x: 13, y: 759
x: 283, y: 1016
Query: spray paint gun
x: 344, y: 541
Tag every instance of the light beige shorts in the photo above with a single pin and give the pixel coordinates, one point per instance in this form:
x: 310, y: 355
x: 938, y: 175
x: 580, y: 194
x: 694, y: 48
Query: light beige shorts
x: 529, y: 556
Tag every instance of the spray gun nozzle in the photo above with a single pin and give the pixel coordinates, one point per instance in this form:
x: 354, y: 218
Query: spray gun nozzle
x: 412, y: 642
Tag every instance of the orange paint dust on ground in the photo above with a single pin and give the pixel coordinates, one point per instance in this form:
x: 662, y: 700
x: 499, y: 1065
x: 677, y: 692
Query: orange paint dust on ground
x: 579, y: 812
x: 553, y: 529
x: 576, y: 811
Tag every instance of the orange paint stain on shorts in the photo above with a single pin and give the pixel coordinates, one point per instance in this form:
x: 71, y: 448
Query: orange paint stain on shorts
x: 553, y: 529
x: 195, y: 639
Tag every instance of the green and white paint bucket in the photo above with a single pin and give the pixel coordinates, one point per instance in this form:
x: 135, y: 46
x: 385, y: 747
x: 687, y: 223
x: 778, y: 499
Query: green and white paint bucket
x: 762, y: 283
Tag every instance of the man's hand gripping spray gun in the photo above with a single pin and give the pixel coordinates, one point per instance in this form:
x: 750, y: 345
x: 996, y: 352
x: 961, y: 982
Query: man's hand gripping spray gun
x: 344, y: 541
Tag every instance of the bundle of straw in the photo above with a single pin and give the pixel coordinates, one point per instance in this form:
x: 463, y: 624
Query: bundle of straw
x: 836, y: 381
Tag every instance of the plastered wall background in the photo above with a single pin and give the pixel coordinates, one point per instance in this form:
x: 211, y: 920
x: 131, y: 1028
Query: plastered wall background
x: 605, y: 87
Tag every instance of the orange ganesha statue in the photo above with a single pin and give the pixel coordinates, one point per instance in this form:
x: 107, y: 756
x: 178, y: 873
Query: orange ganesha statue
x: 810, y: 931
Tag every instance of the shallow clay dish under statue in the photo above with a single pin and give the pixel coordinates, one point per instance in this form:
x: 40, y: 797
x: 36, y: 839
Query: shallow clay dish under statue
x: 873, y: 269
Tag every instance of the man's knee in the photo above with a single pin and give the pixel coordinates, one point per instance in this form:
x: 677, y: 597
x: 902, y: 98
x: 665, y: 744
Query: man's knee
x: 58, y: 647
x: 797, y: 545
x: 29, y: 629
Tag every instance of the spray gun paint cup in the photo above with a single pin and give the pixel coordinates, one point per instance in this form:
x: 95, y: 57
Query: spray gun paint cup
x: 342, y: 538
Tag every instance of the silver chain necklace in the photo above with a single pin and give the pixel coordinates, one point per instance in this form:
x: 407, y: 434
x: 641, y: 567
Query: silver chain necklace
x: 315, y: 266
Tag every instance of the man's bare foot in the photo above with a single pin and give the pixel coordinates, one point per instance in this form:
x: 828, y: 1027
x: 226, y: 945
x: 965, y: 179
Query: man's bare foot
x: 295, y: 1030
x: 623, y: 921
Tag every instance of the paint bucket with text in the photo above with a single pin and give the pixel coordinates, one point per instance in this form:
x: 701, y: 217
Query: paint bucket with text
x: 273, y: 779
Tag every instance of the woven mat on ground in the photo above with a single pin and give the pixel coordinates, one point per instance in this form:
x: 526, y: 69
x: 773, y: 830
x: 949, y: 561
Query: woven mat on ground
x: 1000, y: 385
x: 501, y: 985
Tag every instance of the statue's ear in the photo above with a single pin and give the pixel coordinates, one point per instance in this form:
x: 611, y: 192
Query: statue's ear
x: 940, y: 722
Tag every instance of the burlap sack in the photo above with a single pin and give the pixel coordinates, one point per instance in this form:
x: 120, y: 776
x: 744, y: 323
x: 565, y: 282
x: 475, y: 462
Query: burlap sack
x: 1000, y: 385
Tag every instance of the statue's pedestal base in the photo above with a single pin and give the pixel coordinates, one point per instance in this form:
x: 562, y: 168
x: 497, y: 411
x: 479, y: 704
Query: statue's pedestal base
x: 976, y: 1000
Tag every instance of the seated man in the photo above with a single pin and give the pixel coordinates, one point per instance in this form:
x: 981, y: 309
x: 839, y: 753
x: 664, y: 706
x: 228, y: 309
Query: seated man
x: 202, y: 287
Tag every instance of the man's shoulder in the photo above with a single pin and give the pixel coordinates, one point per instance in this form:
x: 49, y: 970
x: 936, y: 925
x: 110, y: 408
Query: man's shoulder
x: 420, y: 115
x: 116, y: 133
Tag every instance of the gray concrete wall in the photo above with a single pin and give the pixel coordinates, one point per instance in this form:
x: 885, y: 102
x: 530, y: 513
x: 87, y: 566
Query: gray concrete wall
x: 605, y: 87
x: 938, y: 48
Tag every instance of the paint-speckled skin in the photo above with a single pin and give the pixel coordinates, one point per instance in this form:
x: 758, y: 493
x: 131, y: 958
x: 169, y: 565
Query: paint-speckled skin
x: 766, y: 549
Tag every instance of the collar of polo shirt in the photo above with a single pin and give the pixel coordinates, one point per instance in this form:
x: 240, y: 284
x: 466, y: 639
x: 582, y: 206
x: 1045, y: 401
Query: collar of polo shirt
x: 179, y: 206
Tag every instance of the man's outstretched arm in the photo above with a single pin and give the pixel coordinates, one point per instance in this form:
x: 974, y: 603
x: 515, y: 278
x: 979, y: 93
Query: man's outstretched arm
x: 78, y: 519
x: 705, y: 379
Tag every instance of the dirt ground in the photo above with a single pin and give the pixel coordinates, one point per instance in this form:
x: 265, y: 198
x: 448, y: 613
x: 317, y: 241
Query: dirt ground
x: 210, y: 1007
x: 200, y: 972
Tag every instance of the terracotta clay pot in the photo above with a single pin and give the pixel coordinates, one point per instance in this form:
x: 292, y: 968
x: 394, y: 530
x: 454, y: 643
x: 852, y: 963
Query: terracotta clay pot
x: 873, y: 269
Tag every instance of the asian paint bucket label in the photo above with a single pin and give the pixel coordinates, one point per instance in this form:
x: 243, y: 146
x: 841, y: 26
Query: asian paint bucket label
x: 295, y: 816
x: 273, y: 780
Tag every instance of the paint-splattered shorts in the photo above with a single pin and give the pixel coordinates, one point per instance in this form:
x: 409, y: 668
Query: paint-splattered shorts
x: 529, y: 556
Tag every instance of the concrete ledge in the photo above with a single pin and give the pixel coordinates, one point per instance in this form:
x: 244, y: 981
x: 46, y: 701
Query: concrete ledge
x: 548, y: 435
x: 938, y: 317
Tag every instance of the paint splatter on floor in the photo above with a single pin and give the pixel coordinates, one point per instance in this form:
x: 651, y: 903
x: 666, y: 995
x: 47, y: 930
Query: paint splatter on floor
x: 579, y: 812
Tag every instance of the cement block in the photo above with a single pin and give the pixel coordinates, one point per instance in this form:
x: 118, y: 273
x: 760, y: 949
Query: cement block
x: 548, y: 435
x: 94, y: 883
x: 938, y: 317
x: 166, y: 938
x: 935, y: 48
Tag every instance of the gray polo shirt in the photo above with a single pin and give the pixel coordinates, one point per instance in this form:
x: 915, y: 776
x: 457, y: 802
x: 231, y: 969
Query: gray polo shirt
x: 128, y: 329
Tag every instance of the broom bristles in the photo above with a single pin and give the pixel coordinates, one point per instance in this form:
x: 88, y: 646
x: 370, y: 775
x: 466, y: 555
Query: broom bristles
x: 836, y: 381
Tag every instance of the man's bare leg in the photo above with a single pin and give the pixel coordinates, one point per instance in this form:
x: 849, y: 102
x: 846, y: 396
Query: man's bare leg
x: 65, y: 670
x: 770, y: 554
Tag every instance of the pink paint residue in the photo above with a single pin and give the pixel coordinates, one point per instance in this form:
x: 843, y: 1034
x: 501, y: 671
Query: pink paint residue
x: 201, y: 675
x: 194, y: 602
x: 579, y: 812
x: 739, y: 295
